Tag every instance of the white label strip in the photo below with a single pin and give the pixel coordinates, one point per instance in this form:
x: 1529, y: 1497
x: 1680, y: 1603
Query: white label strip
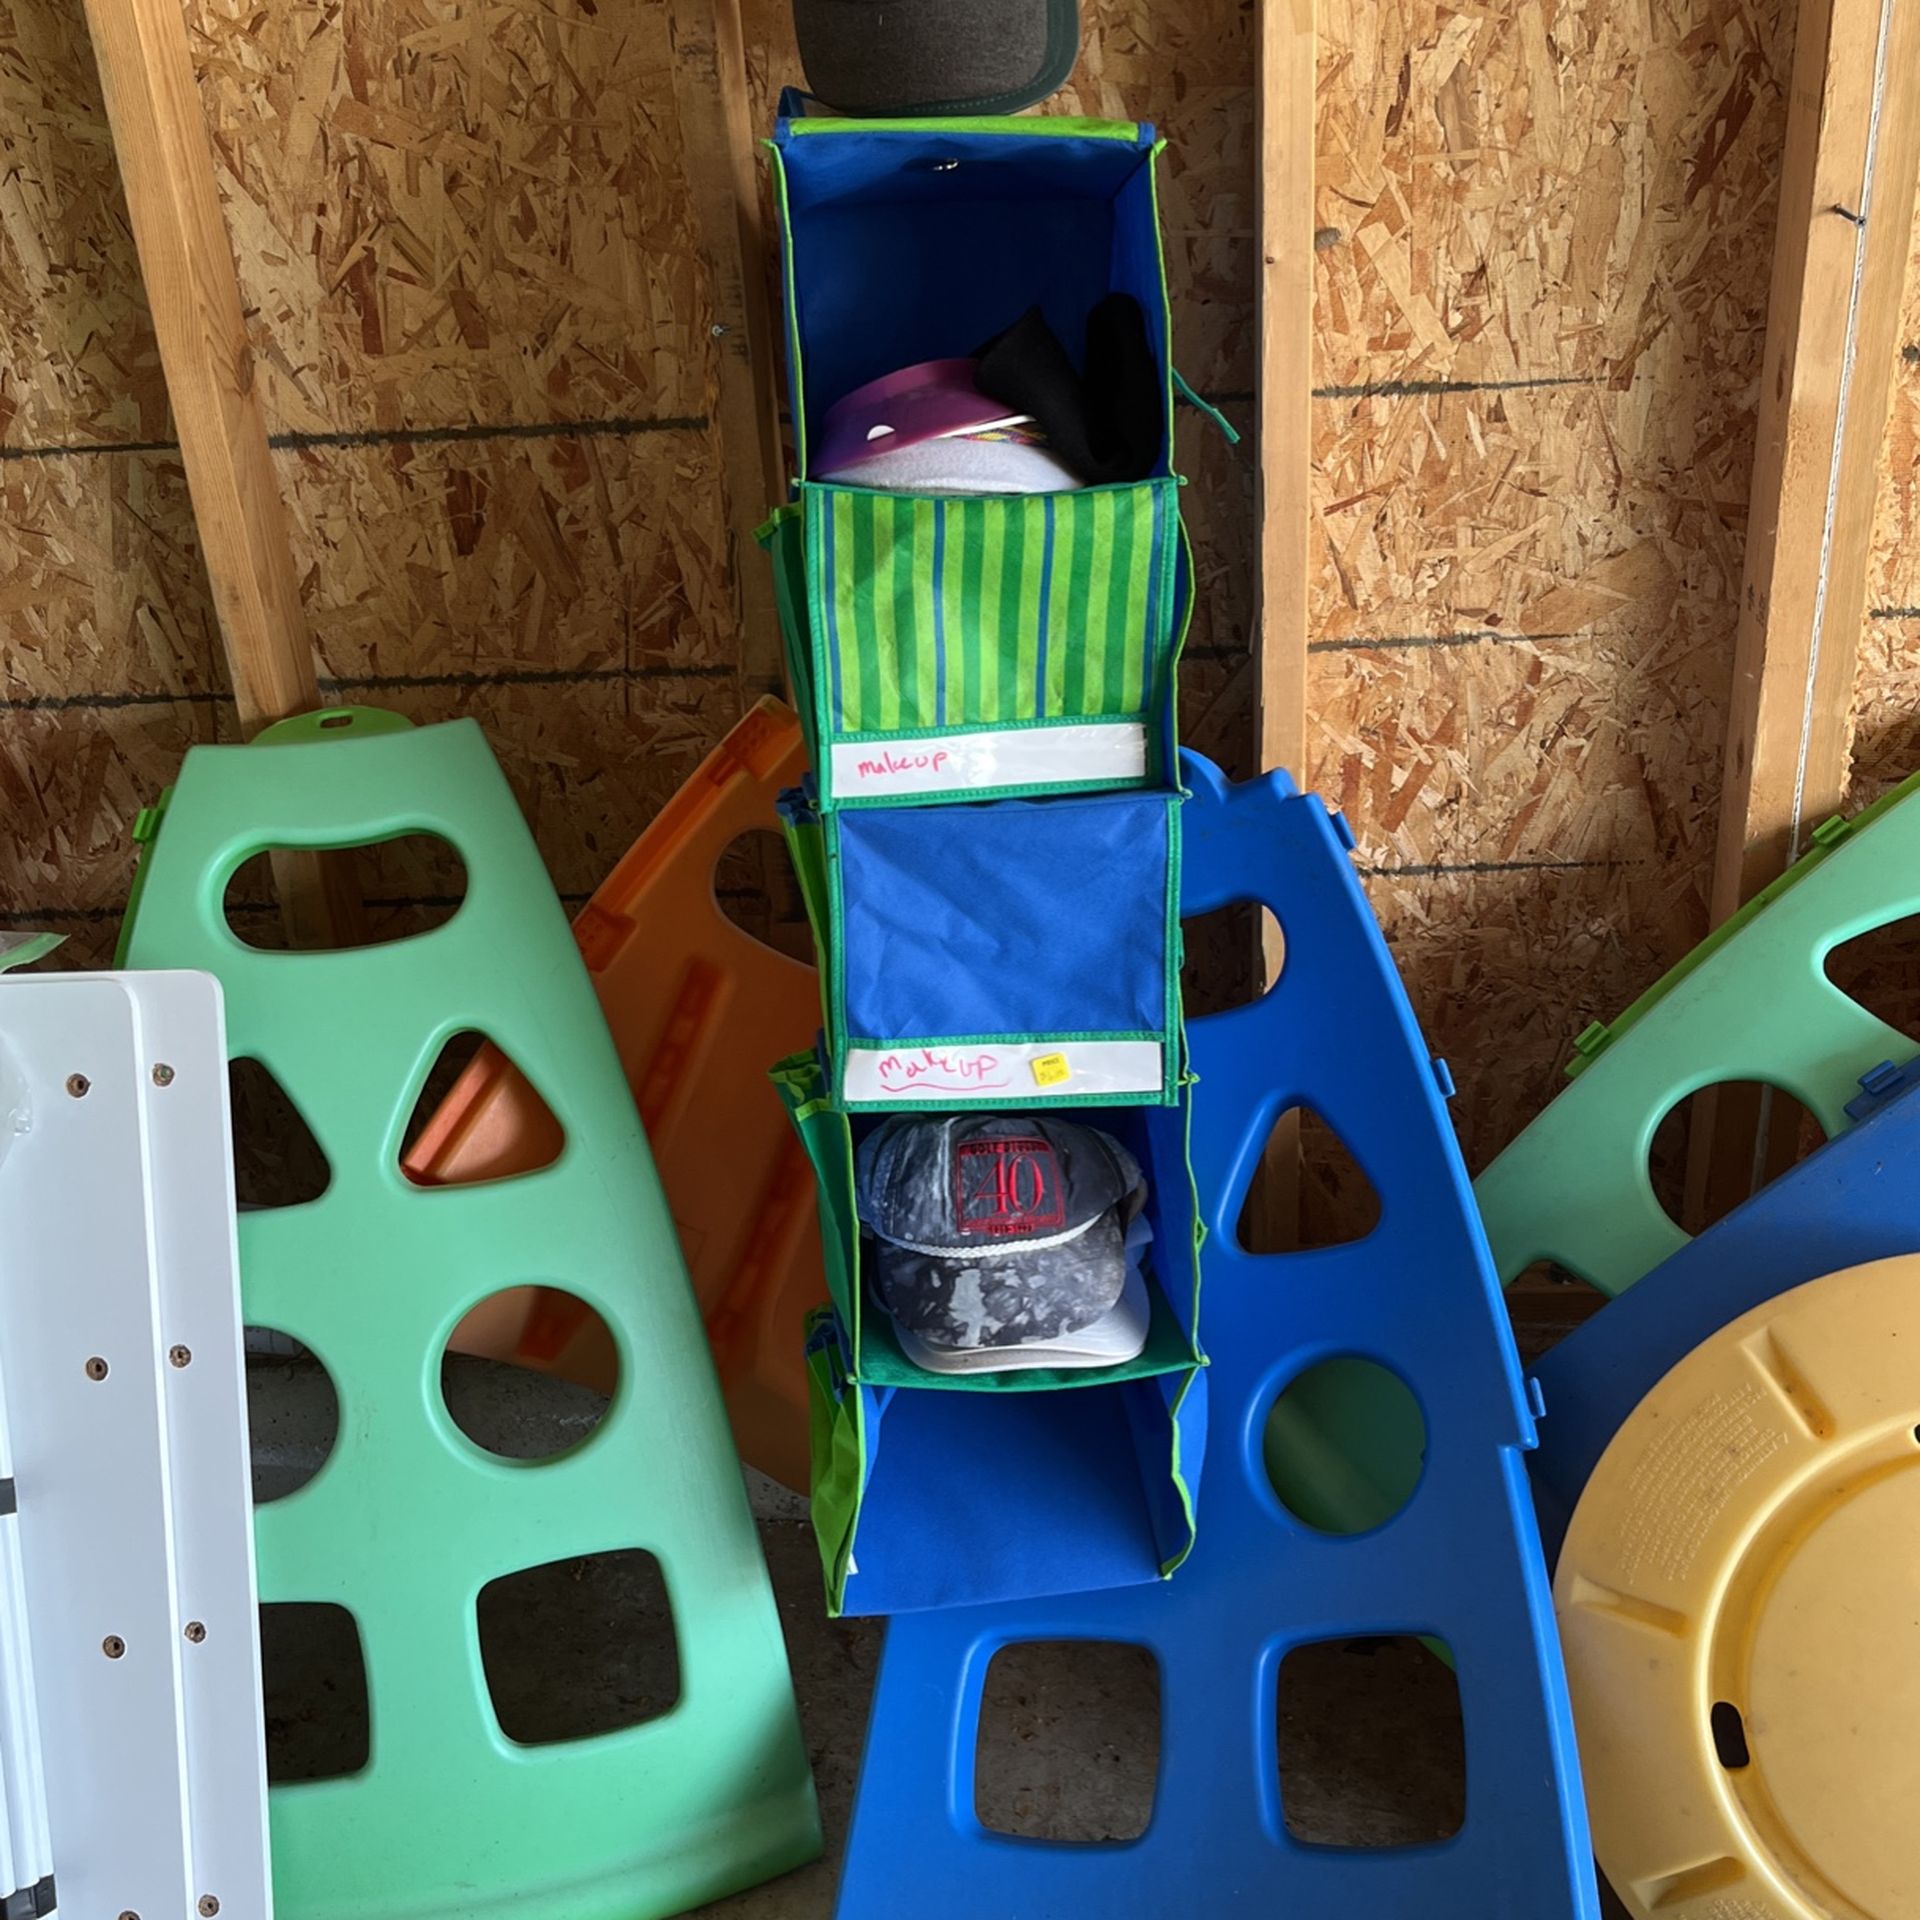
x: 1107, y: 751
x: 1010, y: 1073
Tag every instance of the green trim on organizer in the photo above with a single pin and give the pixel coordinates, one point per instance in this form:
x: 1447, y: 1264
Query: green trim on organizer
x: 786, y: 555
x: 1188, y: 1081
x: 1024, y: 790
x: 1201, y: 404
x: 983, y: 499
x: 1053, y: 124
x: 883, y: 1361
x: 1830, y: 834
x: 768, y: 529
x: 806, y: 848
x: 837, y: 1430
x: 1005, y: 1039
x: 802, y: 1086
x: 783, y: 212
x: 950, y: 732
x: 1038, y: 1099
x: 822, y: 1404
x: 1176, y: 949
x: 408, y: 1520
x: 1753, y: 1004
x: 831, y: 959
x: 1166, y: 298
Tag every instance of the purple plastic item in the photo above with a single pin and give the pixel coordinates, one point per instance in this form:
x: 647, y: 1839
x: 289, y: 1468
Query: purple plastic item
x: 926, y: 401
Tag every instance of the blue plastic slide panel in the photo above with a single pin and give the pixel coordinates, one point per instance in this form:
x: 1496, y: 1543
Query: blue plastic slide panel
x: 1012, y: 952
x: 1855, y: 1200
x: 1460, y: 1561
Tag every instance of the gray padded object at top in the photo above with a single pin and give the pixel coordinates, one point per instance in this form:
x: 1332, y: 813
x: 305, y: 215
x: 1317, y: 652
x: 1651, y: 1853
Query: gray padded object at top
x: 897, y: 58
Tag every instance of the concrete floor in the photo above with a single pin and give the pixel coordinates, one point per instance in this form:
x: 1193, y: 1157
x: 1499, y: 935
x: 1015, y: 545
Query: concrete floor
x: 1369, y: 1730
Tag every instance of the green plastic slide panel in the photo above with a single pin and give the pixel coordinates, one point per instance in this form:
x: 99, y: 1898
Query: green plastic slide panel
x: 408, y: 1520
x: 1752, y: 1002
x: 858, y: 1373
x: 981, y: 647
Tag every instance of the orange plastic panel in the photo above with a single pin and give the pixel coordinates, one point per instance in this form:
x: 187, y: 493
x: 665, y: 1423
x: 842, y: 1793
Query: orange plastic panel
x: 699, y: 1010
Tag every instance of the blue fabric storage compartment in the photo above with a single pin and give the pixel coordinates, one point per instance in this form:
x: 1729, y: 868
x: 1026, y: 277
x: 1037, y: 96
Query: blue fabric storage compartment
x: 1007, y: 952
x: 934, y: 1490
x: 920, y: 241
x: 949, y: 647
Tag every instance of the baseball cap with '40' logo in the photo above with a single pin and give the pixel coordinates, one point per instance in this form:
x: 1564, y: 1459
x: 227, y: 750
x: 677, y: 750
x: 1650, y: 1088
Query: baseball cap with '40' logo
x: 1005, y: 1240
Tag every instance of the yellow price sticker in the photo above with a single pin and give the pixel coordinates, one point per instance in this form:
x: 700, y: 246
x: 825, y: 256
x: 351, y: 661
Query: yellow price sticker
x: 1050, y: 1069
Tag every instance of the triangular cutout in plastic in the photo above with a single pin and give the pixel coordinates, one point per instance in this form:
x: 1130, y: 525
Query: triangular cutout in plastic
x: 277, y: 1161
x: 1881, y: 970
x: 1336, y: 1202
x: 477, y: 1117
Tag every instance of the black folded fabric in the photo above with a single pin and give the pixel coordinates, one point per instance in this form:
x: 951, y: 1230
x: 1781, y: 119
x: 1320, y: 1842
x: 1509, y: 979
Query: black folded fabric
x: 1104, y: 422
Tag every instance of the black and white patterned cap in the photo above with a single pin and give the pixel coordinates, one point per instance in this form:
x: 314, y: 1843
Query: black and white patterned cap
x: 996, y: 1230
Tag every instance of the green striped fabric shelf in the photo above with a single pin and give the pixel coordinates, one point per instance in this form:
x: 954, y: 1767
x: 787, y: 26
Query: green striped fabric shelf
x: 981, y: 647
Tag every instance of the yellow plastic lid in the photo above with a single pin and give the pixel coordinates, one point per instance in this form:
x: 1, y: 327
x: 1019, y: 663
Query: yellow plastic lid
x: 1739, y: 1598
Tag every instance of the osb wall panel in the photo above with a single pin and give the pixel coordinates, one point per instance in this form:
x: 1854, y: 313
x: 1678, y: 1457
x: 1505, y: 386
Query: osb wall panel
x: 1544, y: 238
x: 481, y: 328
x: 447, y: 213
x: 480, y: 320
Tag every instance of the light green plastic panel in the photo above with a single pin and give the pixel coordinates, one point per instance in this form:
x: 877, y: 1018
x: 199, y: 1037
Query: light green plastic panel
x: 1756, y: 1004
x: 407, y: 1520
